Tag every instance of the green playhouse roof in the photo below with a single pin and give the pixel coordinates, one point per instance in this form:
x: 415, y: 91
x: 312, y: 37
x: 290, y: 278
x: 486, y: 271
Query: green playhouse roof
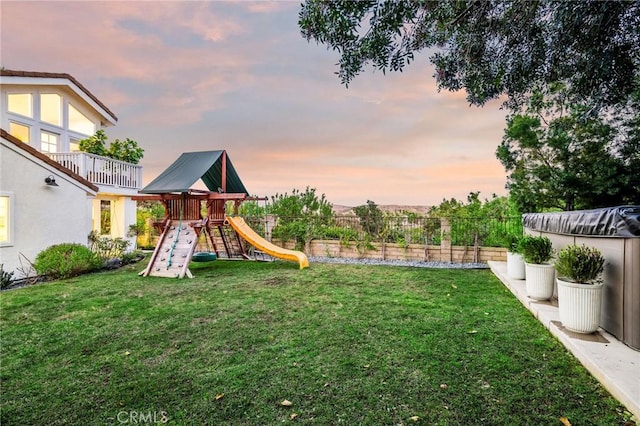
x: 191, y: 166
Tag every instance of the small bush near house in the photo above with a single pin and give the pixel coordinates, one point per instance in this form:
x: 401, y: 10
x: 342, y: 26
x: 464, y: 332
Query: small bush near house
x: 106, y: 247
x: 6, y: 278
x: 66, y: 260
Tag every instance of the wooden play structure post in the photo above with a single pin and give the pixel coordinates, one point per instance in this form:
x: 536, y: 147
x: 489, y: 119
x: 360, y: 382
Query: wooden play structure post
x: 224, y: 171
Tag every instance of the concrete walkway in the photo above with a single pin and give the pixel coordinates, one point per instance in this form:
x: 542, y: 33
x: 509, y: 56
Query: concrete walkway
x: 613, y: 363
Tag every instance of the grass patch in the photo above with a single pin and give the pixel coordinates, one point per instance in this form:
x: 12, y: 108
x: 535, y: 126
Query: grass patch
x: 345, y: 344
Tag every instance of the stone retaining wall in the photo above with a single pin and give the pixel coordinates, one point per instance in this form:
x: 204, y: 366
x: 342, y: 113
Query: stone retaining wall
x: 411, y: 252
x: 388, y: 251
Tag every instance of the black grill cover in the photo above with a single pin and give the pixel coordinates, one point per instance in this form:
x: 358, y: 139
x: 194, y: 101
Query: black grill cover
x: 622, y: 221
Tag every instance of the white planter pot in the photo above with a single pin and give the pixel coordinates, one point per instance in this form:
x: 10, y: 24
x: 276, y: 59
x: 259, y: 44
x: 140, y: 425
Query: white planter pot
x: 515, y: 266
x: 540, y: 281
x: 580, y: 306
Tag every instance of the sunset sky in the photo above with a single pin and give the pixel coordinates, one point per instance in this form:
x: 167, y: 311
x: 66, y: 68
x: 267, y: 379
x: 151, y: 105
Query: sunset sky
x: 196, y: 76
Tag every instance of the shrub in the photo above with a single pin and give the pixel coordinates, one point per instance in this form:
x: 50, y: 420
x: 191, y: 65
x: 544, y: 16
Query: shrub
x: 106, y: 247
x: 511, y: 242
x: 6, y: 278
x: 535, y: 250
x: 371, y: 218
x: 131, y: 257
x: 580, y: 264
x: 127, y: 150
x: 335, y: 232
x: 300, y: 215
x: 417, y: 236
x: 66, y: 260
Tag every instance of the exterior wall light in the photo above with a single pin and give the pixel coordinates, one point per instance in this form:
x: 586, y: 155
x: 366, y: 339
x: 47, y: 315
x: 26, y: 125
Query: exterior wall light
x: 50, y: 180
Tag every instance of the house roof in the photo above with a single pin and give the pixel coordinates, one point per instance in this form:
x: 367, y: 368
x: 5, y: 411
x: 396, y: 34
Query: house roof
x: 210, y: 166
x: 42, y: 157
x: 36, y: 74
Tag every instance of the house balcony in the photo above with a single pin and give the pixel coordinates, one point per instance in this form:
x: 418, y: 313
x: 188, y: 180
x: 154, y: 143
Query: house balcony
x: 111, y: 176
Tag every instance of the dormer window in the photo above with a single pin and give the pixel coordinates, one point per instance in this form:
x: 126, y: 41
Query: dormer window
x: 20, y: 103
x: 48, y: 120
x: 51, y: 108
x: 78, y: 122
x: 50, y: 112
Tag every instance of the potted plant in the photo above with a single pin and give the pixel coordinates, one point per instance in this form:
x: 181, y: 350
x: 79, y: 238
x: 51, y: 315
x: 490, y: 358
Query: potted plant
x: 515, y: 261
x: 580, y: 287
x: 539, y: 272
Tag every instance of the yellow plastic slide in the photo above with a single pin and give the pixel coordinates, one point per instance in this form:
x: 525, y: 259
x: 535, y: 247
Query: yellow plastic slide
x: 260, y: 243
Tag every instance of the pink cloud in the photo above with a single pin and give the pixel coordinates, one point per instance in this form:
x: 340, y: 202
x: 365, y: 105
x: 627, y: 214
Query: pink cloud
x: 272, y: 99
x: 109, y: 50
x: 266, y: 6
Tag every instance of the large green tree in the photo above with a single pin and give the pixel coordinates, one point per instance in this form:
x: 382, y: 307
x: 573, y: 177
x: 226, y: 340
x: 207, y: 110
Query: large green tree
x: 489, y: 48
x: 560, y: 156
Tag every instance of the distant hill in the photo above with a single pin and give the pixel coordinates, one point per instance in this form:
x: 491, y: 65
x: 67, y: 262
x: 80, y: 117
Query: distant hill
x: 388, y: 208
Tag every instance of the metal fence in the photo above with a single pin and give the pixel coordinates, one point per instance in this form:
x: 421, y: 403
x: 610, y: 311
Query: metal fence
x: 461, y: 231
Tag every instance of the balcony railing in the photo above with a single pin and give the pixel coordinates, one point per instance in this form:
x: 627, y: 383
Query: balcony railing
x: 100, y: 170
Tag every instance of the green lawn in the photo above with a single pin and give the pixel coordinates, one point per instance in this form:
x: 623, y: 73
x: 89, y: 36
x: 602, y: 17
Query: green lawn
x: 344, y: 344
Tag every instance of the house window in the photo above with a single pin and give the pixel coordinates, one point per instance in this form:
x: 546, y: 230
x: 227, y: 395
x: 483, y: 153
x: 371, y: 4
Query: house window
x: 105, y: 217
x: 20, y: 131
x: 6, y: 222
x: 48, y: 142
x: 74, y: 145
x: 20, y: 103
x: 50, y: 108
x: 78, y: 122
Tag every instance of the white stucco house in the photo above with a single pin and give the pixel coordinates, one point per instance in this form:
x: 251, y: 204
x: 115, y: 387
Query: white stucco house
x: 50, y: 192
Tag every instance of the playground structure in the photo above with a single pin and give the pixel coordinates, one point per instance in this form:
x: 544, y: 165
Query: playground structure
x: 184, y: 223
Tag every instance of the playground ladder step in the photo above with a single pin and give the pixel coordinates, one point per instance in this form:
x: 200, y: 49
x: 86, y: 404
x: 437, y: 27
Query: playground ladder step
x: 226, y: 239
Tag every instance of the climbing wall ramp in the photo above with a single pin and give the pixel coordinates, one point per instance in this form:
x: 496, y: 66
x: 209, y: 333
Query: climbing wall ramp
x: 173, y: 252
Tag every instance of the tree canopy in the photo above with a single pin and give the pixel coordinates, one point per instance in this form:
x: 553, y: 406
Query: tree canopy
x: 559, y: 157
x: 570, y: 73
x: 489, y: 48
